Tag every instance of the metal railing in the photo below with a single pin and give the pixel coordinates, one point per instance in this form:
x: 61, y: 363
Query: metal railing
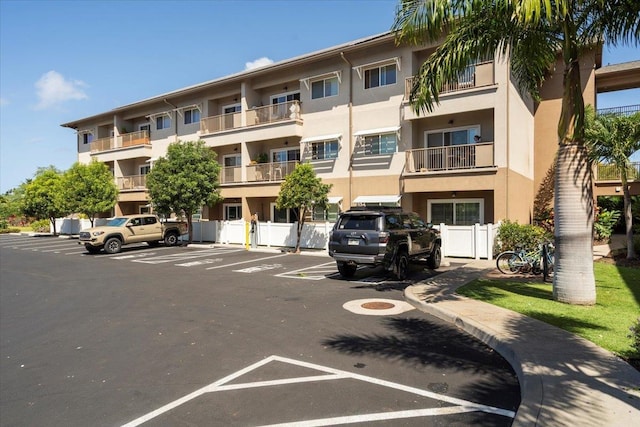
x: 480, y: 74
x: 255, y: 116
x: 468, y: 156
x: 609, y: 172
x: 132, y: 182
x: 230, y: 174
x: 276, y: 171
x: 122, y: 141
x: 626, y: 110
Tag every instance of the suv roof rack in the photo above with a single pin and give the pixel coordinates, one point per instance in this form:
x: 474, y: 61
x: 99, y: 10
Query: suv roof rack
x: 376, y: 208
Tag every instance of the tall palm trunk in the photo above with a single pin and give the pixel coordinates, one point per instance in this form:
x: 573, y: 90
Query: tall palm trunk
x: 573, y: 280
x: 628, y: 216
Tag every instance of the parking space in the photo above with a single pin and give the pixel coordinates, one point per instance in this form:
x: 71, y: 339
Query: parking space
x: 224, y: 336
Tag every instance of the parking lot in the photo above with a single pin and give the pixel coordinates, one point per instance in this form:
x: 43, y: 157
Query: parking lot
x: 218, y: 335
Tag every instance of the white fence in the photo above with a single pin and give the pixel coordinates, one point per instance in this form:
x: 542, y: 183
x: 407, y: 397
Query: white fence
x: 475, y: 241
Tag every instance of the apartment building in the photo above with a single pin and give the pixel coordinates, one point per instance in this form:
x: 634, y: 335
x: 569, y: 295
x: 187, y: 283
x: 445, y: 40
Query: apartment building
x: 479, y: 157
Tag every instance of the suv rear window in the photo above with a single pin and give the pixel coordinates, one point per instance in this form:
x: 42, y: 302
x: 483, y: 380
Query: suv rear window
x: 359, y: 222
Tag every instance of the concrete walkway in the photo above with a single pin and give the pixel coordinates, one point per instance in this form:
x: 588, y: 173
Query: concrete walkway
x: 565, y: 380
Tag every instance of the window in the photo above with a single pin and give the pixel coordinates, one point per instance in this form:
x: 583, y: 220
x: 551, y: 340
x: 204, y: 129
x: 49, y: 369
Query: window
x: 448, y: 137
x: 380, y: 76
x: 144, y: 169
x: 380, y: 144
x: 236, y: 108
x: 145, y: 127
x: 324, y: 88
x: 456, y: 212
x: 285, y: 155
x: 163, y: 122
x: 283, y: 216
x: 87, y: 138
x: 149, y: 220
x: 191, y: 116
x: 232, y: 212
x: 330, y: 213
x: 324, y: 149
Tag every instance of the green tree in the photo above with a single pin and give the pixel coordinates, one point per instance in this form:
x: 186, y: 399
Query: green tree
x: 613, y: 138
x: 532, y: 33
x: 185, y: 180
x: 11, y: 204
x: 302, y: 190
x: 44, y: 196
x: 90, y: 189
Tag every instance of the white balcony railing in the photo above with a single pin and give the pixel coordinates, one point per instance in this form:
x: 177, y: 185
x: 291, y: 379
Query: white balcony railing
x: 255, y: 116
x: 468, y: 156
x: 132, y: 182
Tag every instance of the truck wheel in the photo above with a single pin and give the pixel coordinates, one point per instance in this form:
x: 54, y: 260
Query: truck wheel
x: 435, y: 258
x: 402, y: 265
x: 347, y: 270
x: 171, y: 239
x: 112, y: 245
x: 92, y: 249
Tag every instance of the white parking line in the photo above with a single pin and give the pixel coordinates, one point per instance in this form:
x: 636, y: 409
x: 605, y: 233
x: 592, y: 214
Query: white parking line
x: 317, y: 272
x: 245, y: 262
x: 186, y: 256
x: 329, y: 374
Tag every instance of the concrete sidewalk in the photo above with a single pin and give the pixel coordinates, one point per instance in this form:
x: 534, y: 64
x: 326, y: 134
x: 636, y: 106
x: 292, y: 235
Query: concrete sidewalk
x: 565, y: 380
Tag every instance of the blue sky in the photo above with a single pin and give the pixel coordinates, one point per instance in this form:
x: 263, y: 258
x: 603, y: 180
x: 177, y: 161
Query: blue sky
x: 65, y: 60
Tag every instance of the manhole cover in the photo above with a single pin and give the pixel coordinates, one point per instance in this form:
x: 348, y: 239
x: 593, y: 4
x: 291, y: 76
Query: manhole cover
x: 377, y: 305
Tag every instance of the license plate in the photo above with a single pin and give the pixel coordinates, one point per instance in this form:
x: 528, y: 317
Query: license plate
x: 354, y: 242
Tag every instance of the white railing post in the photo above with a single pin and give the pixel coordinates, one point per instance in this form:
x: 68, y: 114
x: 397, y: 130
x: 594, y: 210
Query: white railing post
x: 268, y: 234
x: 476, y: 241
x: 443, y: 238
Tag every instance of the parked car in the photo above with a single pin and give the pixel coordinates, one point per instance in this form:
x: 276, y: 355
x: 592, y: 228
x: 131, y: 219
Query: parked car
x: 127, y: 229
x: 386, y: 236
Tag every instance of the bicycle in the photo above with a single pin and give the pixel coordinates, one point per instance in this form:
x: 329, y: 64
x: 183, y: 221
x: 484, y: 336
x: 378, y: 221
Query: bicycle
x: 523, y: 261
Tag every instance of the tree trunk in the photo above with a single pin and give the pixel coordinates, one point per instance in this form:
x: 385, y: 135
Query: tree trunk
x: 628, y: 218
x: 573, y: 280
x: 189, y: 227
x: 53, y: 222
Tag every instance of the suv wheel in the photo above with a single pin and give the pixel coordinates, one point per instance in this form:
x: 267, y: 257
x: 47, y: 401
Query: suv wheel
x: 347, y: 270
x: 435, y: 258
x: 112, y: 245
x: 402, y: 265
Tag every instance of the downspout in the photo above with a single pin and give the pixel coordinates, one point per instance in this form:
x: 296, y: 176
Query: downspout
x: 350, y: 125
x: 508, y: 127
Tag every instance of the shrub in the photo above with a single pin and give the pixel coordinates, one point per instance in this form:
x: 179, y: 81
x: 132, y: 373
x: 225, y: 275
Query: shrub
x: 4, y: 224
x: 41, y: 226
x: 635, y: 336
x: 604, y: 224
x: 512, y: 235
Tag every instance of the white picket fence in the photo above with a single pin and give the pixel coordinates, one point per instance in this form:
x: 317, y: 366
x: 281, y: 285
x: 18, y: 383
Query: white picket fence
x: 475, y: 241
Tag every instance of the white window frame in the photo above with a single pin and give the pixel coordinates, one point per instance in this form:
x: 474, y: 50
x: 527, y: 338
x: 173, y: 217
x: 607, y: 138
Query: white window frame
x: 144, y: 126
x: 237, y: 107
x: 285, y: 149
x: 324, y: 87
x: 477, y: 128
x: 430, y: 203
x: 87, y: 138
x: 379, y: 135
x: 324, y: 143
x: 272, y: 209
x: 166, y: 120
x: 143, y: 168
x: 285, y: 95
x: 227, y: 206
x: 380, y: 76
x: 190, y: 112
x: 325, y: 212
x: 232, y: 156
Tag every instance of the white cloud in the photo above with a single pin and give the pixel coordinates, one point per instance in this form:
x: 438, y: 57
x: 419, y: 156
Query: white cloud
x: 52, y: 88
x: 260, y: 62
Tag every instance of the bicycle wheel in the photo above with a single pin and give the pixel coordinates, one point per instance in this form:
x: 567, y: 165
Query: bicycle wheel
x: 509, y: 262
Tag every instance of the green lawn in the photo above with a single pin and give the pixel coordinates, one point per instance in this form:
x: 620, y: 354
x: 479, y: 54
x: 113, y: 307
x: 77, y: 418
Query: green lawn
x: 606, y: 324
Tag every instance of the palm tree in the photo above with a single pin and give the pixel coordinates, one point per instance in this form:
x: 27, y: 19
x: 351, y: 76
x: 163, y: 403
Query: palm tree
x: 531, y: 34
x: 614, y: 138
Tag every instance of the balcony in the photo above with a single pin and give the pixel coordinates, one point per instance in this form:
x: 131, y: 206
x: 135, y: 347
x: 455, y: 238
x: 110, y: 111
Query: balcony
x: 451, y: 158
x: 626, y: 110
x: 122, y: 141
x: 478, y: 75
x: 132, y: 183
x: 260, y: 172
x: 609, y: 173
x: 254, y: 116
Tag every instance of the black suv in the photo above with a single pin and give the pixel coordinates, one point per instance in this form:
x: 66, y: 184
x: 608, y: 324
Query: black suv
x: 385, y: 236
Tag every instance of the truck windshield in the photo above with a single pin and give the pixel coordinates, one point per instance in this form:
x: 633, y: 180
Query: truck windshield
x: 116, y: 222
